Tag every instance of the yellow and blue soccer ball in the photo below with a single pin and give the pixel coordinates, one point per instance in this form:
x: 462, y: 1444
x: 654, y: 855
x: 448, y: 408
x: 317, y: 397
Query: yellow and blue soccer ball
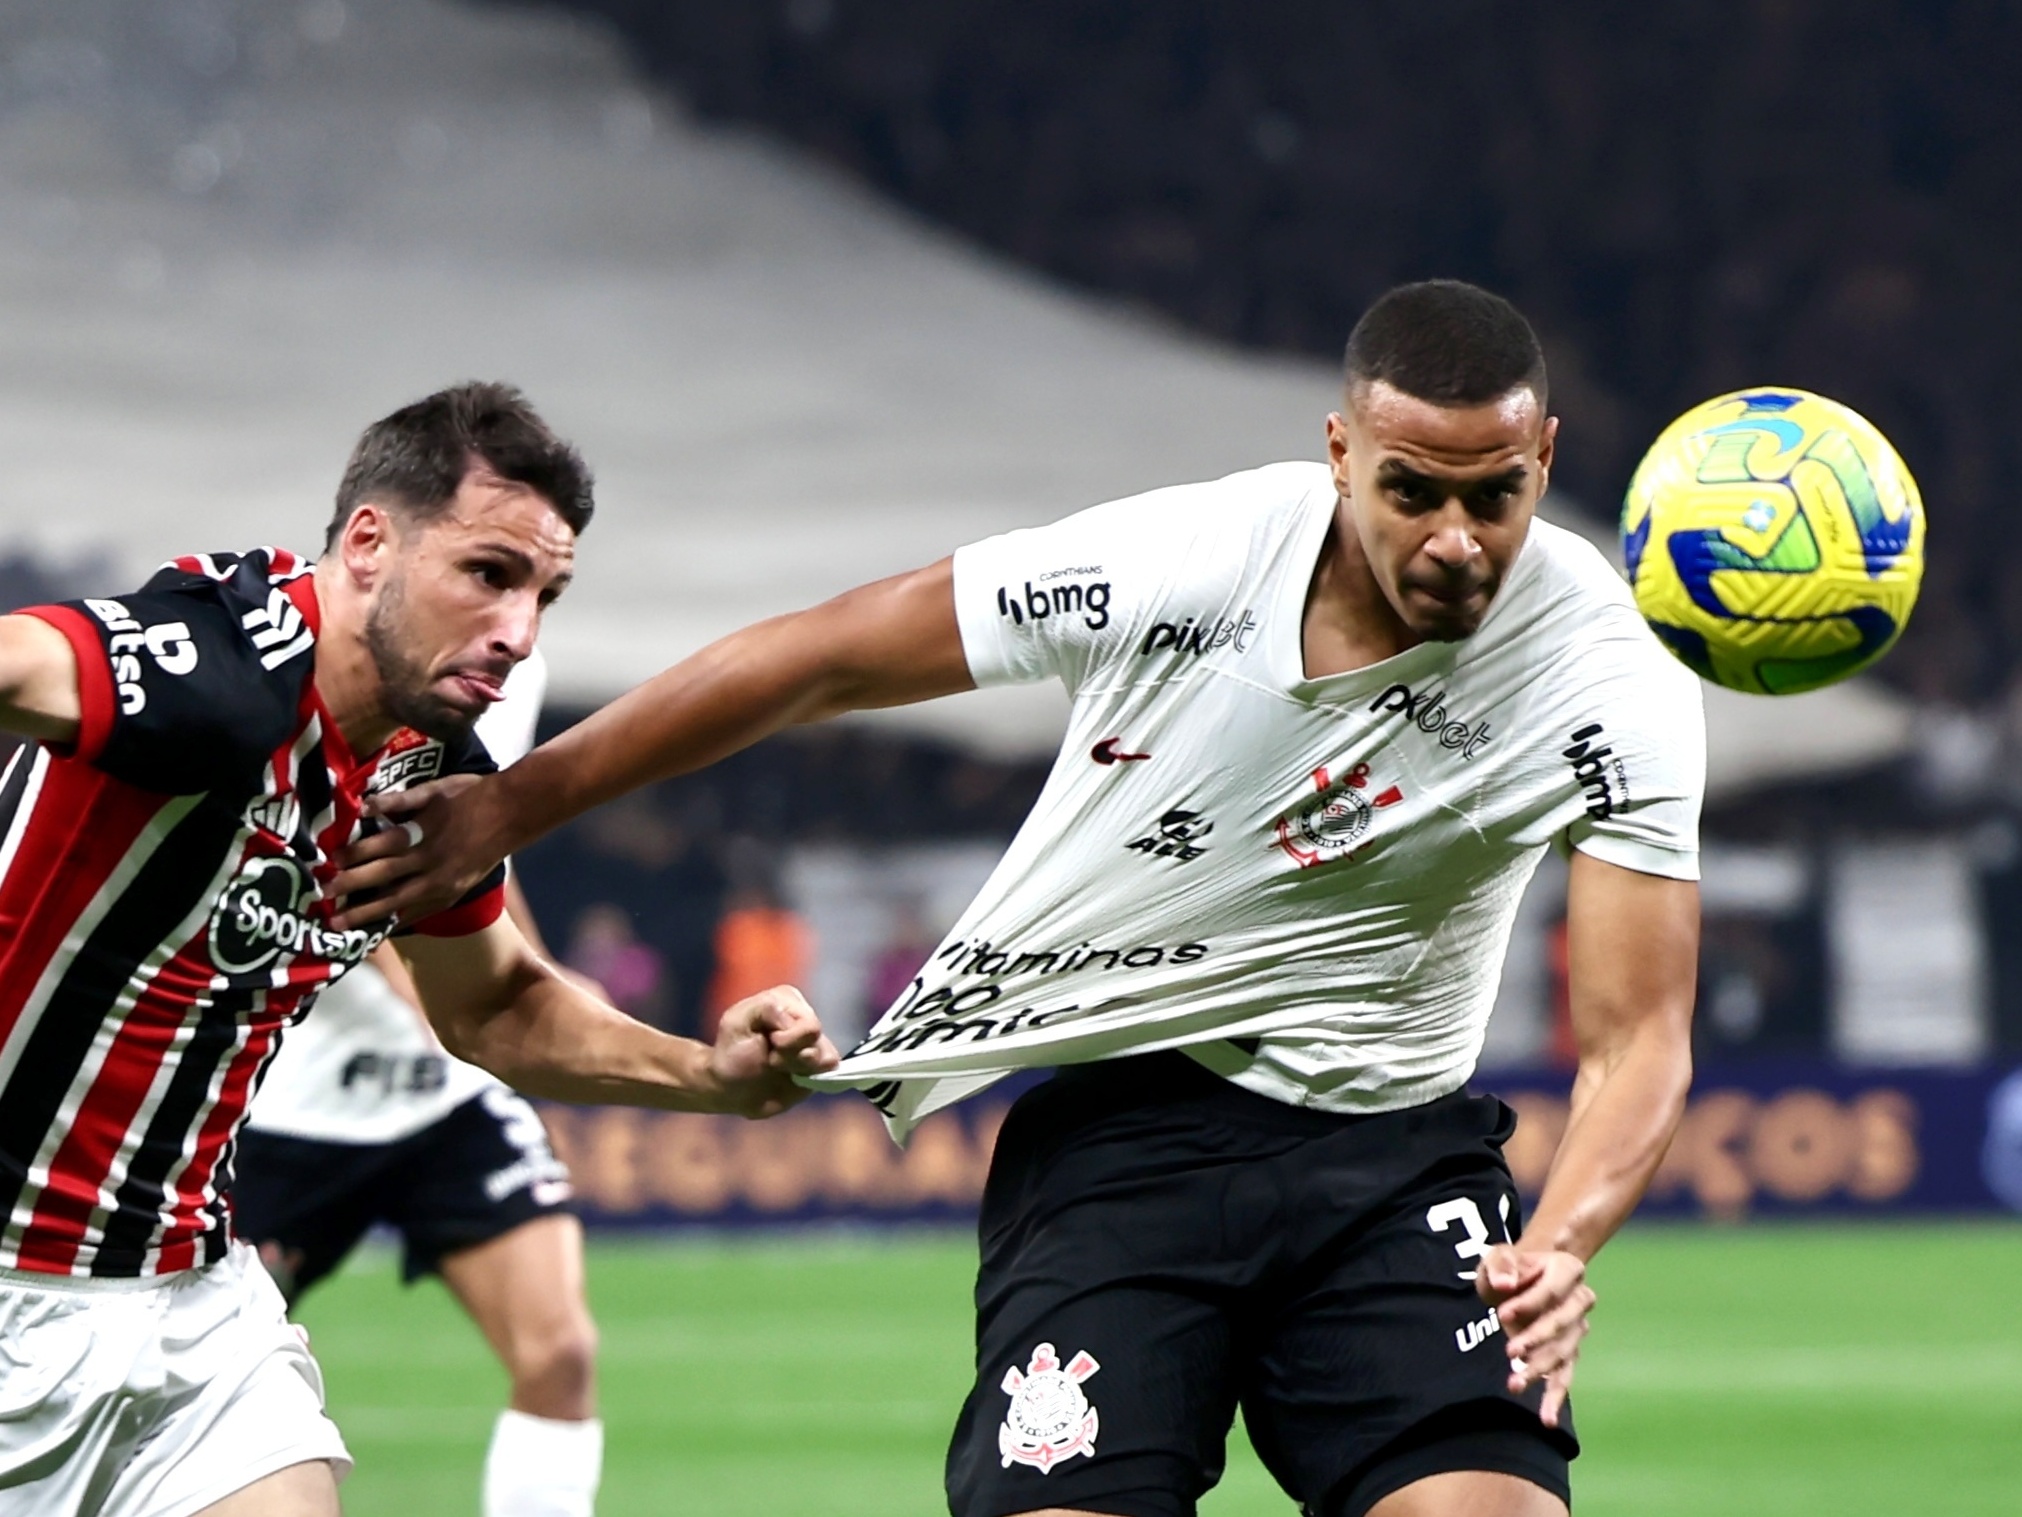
x: 1775, y: 540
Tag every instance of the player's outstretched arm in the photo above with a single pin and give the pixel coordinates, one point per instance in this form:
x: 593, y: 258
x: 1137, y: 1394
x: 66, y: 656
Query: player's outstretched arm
x: 1633, y: 950
x: 496, y: 1003
x: 885, y: 644
x: 39, y: 697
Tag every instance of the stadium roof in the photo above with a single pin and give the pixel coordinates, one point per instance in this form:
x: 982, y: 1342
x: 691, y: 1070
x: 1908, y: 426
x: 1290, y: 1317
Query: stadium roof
x: 226, y: 250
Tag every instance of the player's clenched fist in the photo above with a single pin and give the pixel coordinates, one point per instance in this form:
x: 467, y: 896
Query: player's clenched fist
x: 763, y: 1045
x: 1542, y: 1300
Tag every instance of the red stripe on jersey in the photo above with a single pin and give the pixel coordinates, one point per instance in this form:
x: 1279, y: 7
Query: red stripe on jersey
x: 83, y: 1162
x: 302, y: 591
x: 84, y: 824
x: 461, y: 921
x: 194, y: 1188
x: 94, y: 678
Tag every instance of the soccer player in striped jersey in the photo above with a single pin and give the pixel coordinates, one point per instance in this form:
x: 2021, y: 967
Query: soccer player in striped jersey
x: 203, y: 748
x: 365, y: 1118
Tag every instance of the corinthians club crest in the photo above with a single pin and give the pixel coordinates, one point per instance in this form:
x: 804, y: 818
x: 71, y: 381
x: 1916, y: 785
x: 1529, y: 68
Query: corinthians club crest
x: 1049, y: 1420
x: 1334, y: 822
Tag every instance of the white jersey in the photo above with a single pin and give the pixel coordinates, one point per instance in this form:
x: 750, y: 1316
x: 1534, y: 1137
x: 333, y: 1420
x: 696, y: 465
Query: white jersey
x: 363, y: 1066
x: 1308, y: 884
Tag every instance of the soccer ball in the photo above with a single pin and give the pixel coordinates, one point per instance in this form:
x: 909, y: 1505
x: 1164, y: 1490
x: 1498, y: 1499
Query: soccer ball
x: 1774, y: 541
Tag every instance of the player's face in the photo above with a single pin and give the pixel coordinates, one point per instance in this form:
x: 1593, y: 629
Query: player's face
x: 460, y: 600
x: 1440, y: 497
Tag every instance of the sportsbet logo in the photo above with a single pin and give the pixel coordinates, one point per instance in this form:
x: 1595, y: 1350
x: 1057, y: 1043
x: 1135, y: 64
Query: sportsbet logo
x: 262, y: 915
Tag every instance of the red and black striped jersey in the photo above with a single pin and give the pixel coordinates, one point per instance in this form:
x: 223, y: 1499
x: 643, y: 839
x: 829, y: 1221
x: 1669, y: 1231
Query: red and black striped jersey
x: 163, y: 907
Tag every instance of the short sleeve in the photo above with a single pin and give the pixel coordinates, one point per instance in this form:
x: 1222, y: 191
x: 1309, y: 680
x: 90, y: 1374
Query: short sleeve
x: 176, y: 695
x: 1054, y: 602
x: 1639, y: 761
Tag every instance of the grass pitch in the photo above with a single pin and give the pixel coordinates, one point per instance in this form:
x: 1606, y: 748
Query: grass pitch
x: 1761, y: 1370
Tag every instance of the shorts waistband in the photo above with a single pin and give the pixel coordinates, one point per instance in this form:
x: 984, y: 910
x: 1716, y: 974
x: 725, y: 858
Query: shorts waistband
x: 1171, y: 1078
x: 85, y: 1285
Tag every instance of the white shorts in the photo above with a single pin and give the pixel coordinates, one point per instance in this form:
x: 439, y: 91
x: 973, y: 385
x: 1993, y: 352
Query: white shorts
x: 153, y: 1397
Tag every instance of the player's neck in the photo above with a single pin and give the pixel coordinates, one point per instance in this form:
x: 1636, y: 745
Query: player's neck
x: 1349, y: 622
x: 346, y: 676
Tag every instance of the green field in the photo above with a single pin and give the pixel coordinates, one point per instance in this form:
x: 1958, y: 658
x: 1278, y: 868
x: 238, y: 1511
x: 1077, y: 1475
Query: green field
x: 1758, y: 1370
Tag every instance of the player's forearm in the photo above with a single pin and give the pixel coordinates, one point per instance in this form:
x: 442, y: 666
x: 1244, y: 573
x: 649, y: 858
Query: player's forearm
x: 726, y: 697
x: 884, y: 644
x: 553, y: 1041
x: 1627, y: 1103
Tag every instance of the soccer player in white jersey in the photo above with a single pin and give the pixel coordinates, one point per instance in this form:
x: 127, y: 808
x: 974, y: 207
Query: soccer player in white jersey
x: 365, y: 1118
x: 1326, y: 719
x: 203, y: 748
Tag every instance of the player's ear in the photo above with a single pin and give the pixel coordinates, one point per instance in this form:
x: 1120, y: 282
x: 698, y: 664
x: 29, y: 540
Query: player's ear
x: 1547, y: 441
x: 1337, y: 450
x: 367, y: 541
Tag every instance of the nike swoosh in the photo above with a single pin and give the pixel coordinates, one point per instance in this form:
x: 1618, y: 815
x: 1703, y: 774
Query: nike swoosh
x: 1105, y: 752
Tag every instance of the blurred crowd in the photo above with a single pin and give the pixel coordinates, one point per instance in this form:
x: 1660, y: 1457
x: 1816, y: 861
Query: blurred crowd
x: 1686, y: 198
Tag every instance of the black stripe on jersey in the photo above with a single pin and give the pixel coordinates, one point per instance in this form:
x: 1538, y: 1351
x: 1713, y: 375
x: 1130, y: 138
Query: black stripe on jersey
x: 161, y: 895
x: 14, y: 784
x: 130, y: 1231
x: 317, y: 795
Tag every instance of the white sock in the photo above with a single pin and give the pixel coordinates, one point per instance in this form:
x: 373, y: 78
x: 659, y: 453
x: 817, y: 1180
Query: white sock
x: 542, y: 1467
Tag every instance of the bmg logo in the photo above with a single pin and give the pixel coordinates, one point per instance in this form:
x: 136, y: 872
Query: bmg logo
x: 1088, y: 599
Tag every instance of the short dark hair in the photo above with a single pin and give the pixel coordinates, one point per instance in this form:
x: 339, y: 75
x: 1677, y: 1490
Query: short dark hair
x: 414, y: 460
x: 1446, y: 341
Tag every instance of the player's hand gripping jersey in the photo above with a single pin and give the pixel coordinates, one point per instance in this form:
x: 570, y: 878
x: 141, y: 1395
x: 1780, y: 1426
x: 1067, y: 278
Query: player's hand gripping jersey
x: 144, y: 984
x: 1308, y: 883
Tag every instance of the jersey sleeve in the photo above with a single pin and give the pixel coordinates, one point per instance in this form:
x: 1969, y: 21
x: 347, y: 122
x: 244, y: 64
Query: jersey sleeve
x: 1056, y: 602
x: 176, y: 695
x: 1638, y: 759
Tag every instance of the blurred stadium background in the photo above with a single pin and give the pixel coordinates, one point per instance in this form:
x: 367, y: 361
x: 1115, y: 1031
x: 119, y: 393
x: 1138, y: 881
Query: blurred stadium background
x: 828, y: 287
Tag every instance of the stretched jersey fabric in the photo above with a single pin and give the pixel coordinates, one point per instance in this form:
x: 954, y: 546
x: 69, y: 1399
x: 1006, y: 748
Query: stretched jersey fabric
x: 1309, y: 884
x: 366, y: 1069
x: 163, y: 911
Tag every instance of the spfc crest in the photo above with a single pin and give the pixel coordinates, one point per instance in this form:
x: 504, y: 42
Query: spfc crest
x: 1049, y: 1419
x: 1334, y: 822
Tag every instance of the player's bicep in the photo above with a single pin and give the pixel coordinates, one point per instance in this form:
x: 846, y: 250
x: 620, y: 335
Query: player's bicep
x: 1632, y: 942
x: 39, y: 690
x: 889, y: 643
x: 463, y: 982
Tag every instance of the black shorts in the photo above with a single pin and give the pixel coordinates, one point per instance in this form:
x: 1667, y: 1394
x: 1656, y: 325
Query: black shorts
x: 1160, y: 1246
x: 481, y: 1171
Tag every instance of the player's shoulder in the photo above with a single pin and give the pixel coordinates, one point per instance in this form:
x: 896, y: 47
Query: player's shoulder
x: 204, y: 669
x: 1571, y: 598
x: 248, y: 600
x: 1571, y: 564
x: 1578, y: 628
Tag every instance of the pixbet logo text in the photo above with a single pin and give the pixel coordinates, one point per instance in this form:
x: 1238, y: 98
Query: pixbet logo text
x: 1192, y: 638
x: 1428, y: 714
